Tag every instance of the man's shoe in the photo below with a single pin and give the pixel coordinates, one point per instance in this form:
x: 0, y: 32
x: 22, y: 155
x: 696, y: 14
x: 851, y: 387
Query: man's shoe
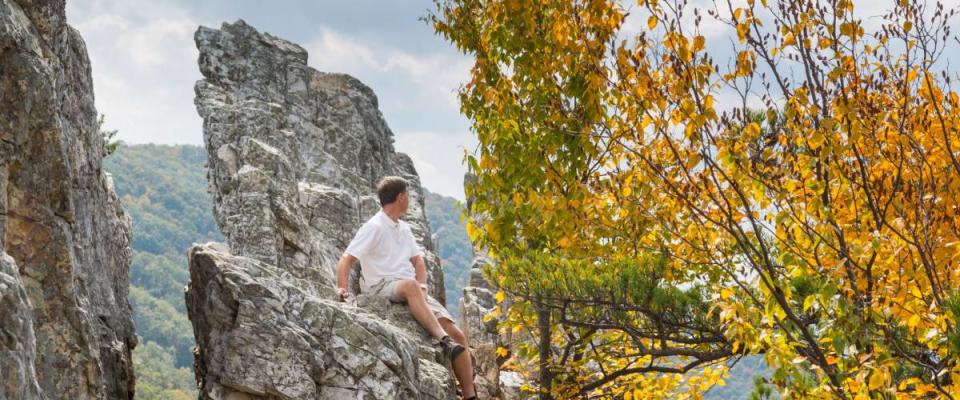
x: 451, y: 349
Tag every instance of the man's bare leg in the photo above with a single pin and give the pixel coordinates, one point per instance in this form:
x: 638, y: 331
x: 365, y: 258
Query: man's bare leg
x: 417, y: 302
x: 463, y: 365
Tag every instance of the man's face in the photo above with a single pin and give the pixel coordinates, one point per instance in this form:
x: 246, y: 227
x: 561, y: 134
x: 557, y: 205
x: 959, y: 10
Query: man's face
x: 403, y: 200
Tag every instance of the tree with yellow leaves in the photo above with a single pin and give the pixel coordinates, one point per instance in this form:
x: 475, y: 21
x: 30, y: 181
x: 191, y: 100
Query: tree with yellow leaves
x: 656, y: 214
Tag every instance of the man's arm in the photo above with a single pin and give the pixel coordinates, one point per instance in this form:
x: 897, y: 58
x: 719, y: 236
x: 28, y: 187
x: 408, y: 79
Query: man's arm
x: 420, y: 269
x: 343, y: 273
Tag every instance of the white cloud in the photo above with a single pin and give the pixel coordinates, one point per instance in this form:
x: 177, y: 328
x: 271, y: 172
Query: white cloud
x: 161, y: 40
x: 335, y: 52
x: 100, y: 22
x: 438, y: 157
x: 417, y: 94
x: 430, y: 74
x: 441, y: 73
x: 710, y: 27
x: 144, y: 67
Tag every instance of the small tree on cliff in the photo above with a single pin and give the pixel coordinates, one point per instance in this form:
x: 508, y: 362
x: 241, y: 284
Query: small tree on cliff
x: 646, y: 233
x: 109, y: 145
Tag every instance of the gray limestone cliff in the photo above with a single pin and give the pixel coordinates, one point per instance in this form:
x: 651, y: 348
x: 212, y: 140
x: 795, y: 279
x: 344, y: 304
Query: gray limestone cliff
x: 65, y: 323
x: 18, y: 349
x: 294, y: 155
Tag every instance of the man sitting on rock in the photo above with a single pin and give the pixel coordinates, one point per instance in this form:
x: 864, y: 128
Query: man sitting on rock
x: 393, y: 267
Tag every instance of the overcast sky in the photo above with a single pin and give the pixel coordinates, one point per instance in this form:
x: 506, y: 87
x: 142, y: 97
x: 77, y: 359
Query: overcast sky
x: 145, y: 64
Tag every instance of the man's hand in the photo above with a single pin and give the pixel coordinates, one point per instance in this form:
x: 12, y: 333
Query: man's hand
x: 343, y: 273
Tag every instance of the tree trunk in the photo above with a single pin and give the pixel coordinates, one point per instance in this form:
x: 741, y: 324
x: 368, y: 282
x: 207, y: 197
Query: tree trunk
x: 543, y: 326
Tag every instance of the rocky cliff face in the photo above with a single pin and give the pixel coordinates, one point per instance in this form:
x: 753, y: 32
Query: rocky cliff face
x: 65, y: 325
x: 293, y: 156
x: 18, y: 349
x: 294, y: 153
x: 478, y: 301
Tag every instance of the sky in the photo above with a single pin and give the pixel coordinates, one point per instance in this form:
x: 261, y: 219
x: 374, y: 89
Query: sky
x: 144, y: 65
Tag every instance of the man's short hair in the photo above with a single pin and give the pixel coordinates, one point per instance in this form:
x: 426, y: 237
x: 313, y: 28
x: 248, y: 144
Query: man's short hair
x: 389, y: 188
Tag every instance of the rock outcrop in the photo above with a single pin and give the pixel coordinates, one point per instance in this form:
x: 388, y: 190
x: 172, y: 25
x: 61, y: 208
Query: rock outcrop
x: 65, y: 323
x: 294, y: 156
x: 477, y: 302
x: 18, y: 348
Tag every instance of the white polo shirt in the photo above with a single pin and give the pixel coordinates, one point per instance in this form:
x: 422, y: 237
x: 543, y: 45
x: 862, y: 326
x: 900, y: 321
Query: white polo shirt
x: 384, y: 249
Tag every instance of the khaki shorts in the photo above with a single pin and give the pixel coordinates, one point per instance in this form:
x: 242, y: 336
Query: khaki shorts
x: 388, y: 288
